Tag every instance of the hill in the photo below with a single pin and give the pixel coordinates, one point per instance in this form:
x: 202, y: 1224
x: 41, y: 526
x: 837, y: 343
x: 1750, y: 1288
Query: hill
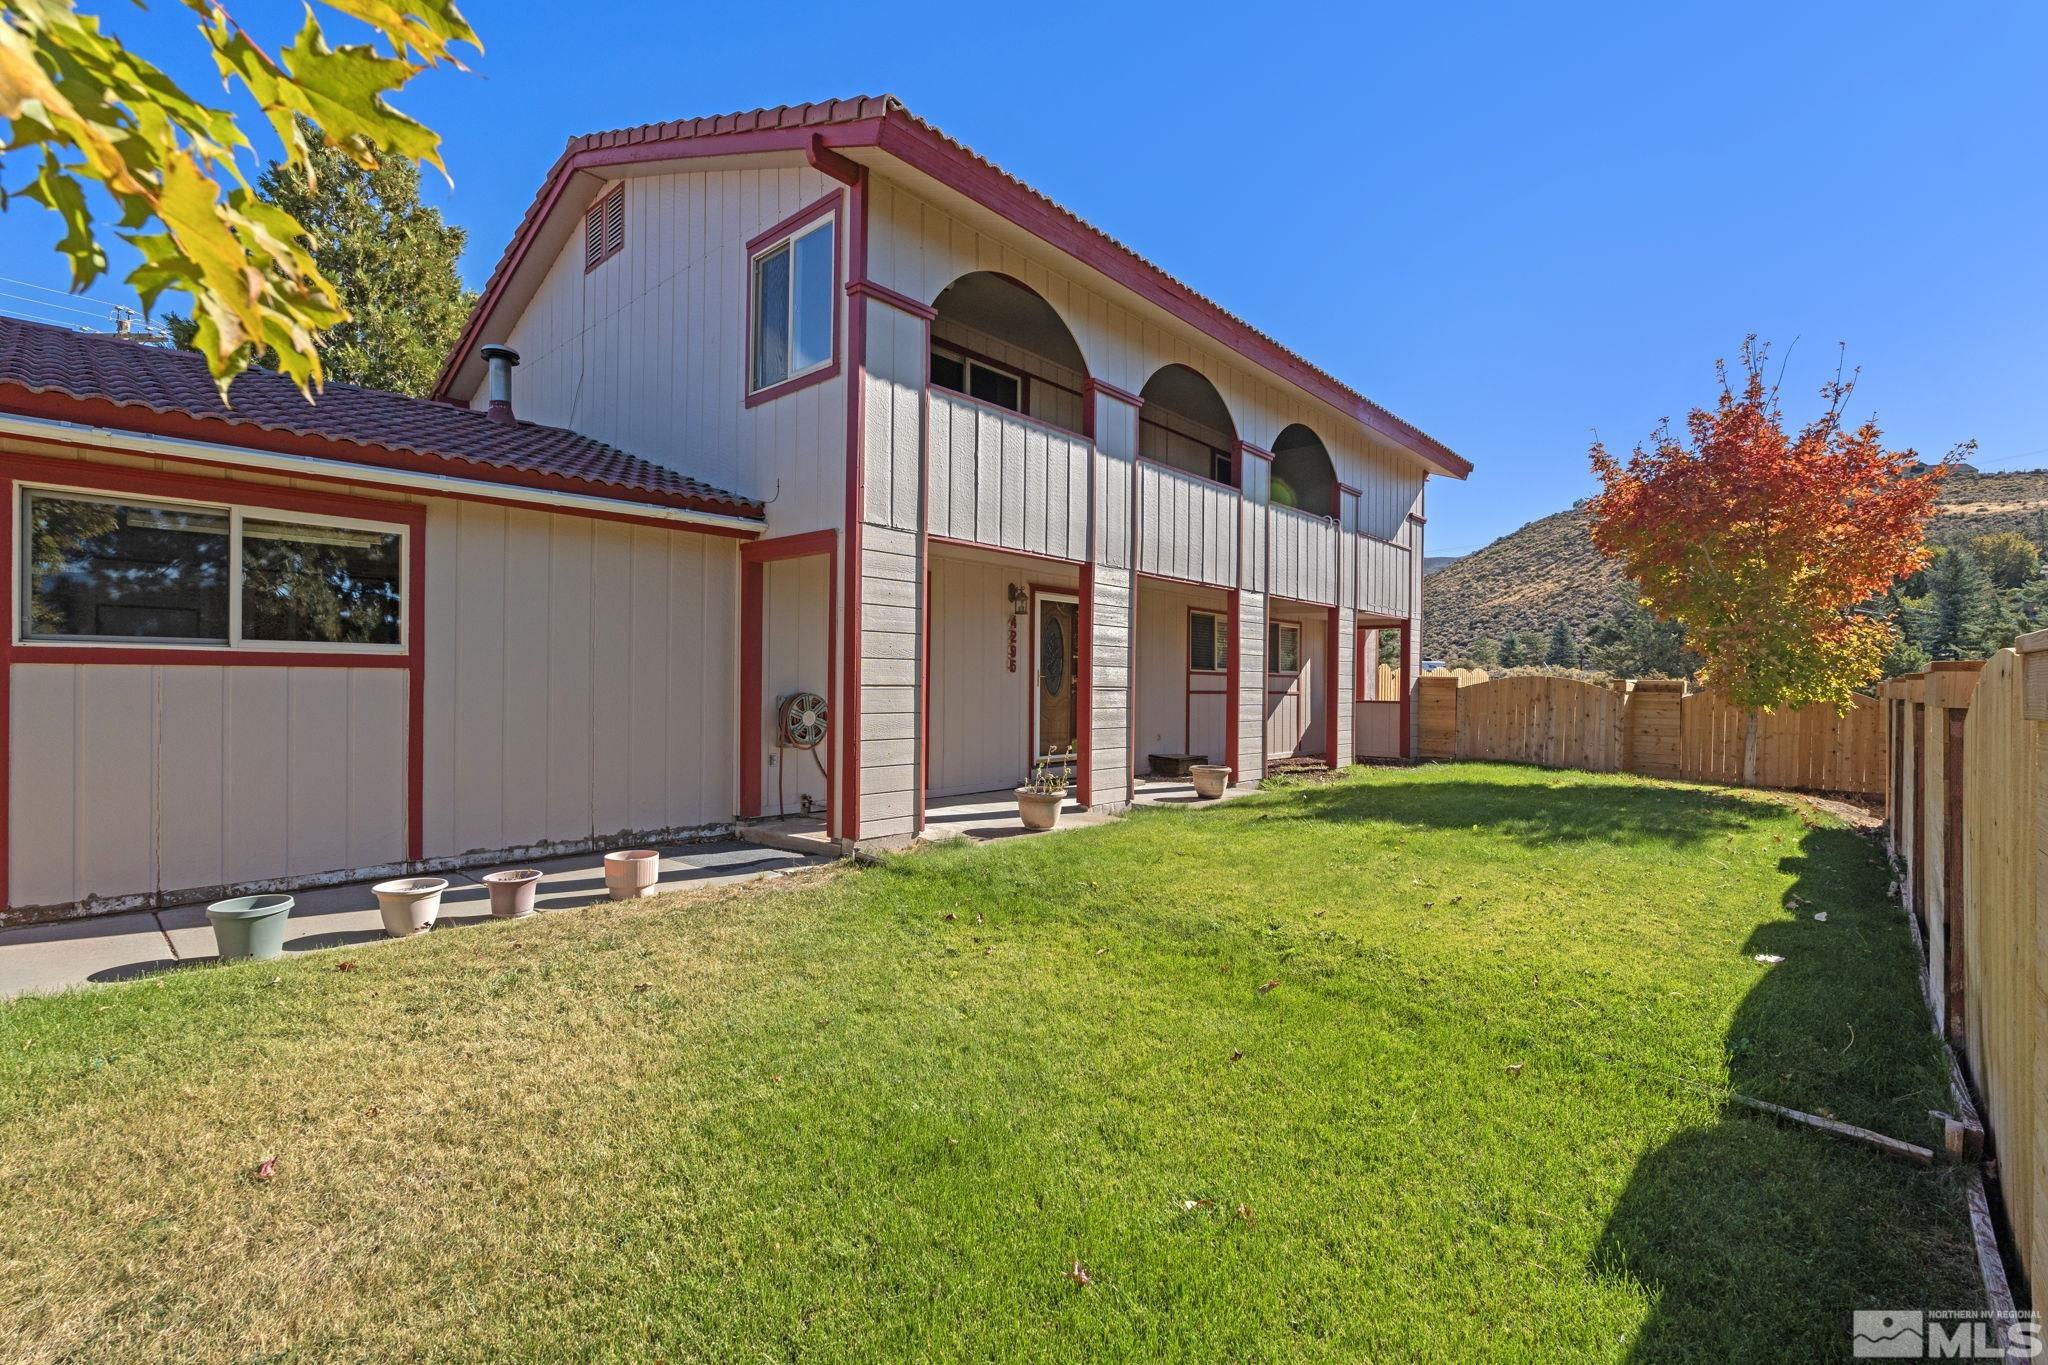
x: 1548, y: 570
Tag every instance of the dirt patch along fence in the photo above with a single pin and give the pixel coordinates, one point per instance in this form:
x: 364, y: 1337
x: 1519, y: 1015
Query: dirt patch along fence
x: 1655, y: 727
x: 1968, y: 794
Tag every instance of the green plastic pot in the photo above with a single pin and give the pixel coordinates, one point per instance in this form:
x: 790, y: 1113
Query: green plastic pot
x: 249, y: 926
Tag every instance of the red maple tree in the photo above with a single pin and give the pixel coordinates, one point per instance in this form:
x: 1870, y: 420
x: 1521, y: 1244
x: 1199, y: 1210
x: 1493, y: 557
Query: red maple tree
x: 1763, y: 543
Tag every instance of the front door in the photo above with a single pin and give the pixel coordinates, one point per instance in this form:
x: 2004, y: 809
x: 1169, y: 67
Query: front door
x: 1056, y: 659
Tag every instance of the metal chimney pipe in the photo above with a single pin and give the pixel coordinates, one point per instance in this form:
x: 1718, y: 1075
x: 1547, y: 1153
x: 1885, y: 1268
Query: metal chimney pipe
x: 500, y: 359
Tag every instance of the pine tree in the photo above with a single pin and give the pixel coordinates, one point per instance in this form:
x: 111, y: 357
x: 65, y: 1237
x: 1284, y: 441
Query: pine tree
x: 1564, y: 646
x: 1963, y: 618
x: 391, y: 259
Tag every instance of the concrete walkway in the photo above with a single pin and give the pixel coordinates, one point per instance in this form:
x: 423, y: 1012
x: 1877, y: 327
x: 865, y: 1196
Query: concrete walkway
x: 40, y: 958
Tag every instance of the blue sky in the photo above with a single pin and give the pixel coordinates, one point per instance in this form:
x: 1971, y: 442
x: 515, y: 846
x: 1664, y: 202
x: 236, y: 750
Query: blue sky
x: 1512, y: 225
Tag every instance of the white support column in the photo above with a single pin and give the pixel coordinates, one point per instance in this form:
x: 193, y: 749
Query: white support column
x: 1248, y: 648
x: 1111, y: 584
x: 890, y: 608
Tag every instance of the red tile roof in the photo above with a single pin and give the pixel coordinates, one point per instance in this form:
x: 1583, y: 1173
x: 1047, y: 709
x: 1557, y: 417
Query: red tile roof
x: 888, y: 109
x: 40, y: 359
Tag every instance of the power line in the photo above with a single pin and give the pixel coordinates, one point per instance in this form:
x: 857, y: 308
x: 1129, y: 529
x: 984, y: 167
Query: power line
x: 61, y: 293
x: 100, y: 313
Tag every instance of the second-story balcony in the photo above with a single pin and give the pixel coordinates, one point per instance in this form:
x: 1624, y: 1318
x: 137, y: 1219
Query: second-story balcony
x: 1006, y: 481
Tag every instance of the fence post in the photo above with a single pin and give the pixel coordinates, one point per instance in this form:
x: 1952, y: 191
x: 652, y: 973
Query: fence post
x: 1947, y: 688
x: 2030, y: 1225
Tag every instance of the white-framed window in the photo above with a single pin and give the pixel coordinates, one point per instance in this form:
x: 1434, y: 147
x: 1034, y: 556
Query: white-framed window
x: 1208, y: 642
x: 1283, y: 647
x: 103, y: 568
x: 793, y: 281
x: 1223, y: 466
x: 604, y: 228
x: 977, y: 379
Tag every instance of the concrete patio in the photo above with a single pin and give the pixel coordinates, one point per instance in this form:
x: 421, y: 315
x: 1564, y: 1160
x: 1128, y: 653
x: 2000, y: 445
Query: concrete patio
x: 40, y: 958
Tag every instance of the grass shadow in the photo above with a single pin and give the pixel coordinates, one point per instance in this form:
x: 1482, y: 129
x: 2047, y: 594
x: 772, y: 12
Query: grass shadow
x: 1836, y: 1028
x: 1570, y: 809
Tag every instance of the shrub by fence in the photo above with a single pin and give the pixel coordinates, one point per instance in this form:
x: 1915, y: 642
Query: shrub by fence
x: 1968, y: 792
x: 1654, y: 727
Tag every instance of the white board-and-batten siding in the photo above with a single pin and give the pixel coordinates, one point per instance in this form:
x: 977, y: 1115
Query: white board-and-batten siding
x: 1005, y: 481
x: 649, y: 350
x: 577, y: 681
x: 917, y: 247
x: 1187, y: 526
x: 580, y: 678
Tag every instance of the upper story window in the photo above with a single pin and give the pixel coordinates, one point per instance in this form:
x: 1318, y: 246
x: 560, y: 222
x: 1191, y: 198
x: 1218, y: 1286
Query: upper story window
x: 1223, y: 466
x: 604, y: 228
x: 1207, y: 650
x: 1283, y: 647
x: 977, y: 379
x: 793, y: 292
x: 100, y: 568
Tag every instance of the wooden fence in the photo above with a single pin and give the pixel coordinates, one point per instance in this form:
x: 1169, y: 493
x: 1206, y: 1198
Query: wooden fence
x: 1968, y: 792
x: 1652, y: 726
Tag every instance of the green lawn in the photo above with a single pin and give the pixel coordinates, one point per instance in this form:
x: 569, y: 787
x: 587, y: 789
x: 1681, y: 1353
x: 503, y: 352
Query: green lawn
x: 882, y: 1114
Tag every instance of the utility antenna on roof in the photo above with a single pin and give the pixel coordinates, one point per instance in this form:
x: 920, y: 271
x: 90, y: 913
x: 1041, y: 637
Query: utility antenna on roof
x: 125, y: 320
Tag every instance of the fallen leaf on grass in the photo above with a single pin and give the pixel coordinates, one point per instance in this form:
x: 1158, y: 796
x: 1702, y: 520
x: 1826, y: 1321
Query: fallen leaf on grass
x: 1769, y: 959
x: 1237, y: 1054
x: 1514, y: 1068
x: 265, y: 1168
x: 1269, y: 985
x: 1244, y: 1211
x: 1079, y: 1275
x: 643, y: 986
x: 344, y: 966
x: 1820, y: 917
x: 1190, y: 1205
x: 949, y: 917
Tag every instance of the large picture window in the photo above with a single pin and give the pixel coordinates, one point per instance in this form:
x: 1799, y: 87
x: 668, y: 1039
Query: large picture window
x: 101, y: 568
x: 793, y: 281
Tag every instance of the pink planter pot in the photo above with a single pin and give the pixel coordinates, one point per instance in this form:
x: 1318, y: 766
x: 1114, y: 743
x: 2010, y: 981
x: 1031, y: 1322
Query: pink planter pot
x: 631, y: 873
x: 409, y: 905
x: 512, y: 892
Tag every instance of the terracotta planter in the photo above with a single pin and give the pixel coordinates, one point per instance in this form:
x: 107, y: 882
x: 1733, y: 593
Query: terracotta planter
x: 1210, y: 780
x: 631, y: 873
x: 1039, y: 810
x: 512, y: 892
x: 249, y: 926
x: 409, y: 905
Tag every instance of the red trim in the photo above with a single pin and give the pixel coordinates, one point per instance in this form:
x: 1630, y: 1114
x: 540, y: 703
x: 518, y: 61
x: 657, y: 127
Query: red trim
x: 849, y: 711
x: 925, y: 149
x: 40, y: 469
x: 597, y: 207
x: 882, y: 293
x: 1084, y: 689
x: 1093, y: 385
x: 753, y: 593
x: 1256, y: 452
x: 825, y: 161
x: 774, y: 236
x: 924, y: 561
x: 1343, y: 487
x: 182, y: 426
x: 1037, y: 590
x: 1408, y: 663
x: 7, y: 708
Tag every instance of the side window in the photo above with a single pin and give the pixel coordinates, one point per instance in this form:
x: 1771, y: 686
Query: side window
x: 792, y: 313
x: 997, y: 387
x: 1283, y: 647
x: 1207, y: 650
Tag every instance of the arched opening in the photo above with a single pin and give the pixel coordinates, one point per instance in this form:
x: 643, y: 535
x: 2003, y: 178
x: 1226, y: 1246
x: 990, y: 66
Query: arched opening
x: 997, y: 341
x: 1303, y: 475
x: 1186, y: 424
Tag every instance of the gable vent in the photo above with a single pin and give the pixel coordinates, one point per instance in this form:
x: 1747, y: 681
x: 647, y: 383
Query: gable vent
x: 604, y: 228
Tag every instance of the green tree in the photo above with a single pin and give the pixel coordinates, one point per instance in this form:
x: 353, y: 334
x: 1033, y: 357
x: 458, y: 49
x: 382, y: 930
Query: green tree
x: 1563, y: 650
x: 391, y: 259
x: 1484, y: 653
x: 2009, y: 557
x: 1962, y: 618
x: 1632, y: 643
x: 86, y: 110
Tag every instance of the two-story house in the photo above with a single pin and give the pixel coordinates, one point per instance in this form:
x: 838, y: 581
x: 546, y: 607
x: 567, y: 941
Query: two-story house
x: 809, y: 400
